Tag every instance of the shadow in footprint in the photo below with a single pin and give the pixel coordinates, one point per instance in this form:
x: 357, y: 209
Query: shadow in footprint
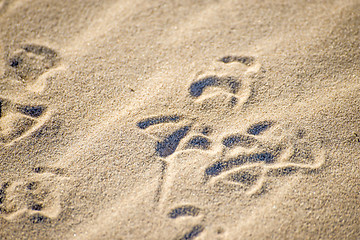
x: 40, y: 50
x: 195, y: 231
x: 206, y: 131
x: 2, y: 192
x: 284, y: 171
x: 157, y: 120
x: 259, y: 128
x: 31, y: 186
x: 38, y: 218
x: 198, y: 142
x: 219, y: 167
x: 169, y: 144
x: 36, y: 207
x: 32, y: 111
x: 1, y: 106
x: 230, y: 83
x: 197, y: 88
x: 184, y: 211
x: 239, y: 140
x: 2, y: 196
x: 245, y: 178
x: 241, y: 59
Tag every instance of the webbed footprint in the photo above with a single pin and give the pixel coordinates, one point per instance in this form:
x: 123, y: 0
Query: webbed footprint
x: 279, y: 159
x: 32, y: 60
x: 36, y: 197
x: 23, y: 74
x: 17, y: 120
x: 224, y: 86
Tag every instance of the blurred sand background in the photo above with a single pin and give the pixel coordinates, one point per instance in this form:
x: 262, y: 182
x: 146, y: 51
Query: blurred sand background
x: 179, y: 119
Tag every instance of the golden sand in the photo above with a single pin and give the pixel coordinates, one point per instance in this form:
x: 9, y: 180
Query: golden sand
x: 179, y: 119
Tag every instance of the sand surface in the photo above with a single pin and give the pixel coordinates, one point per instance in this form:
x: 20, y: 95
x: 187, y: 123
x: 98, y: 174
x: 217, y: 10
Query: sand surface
x: 179, y: 119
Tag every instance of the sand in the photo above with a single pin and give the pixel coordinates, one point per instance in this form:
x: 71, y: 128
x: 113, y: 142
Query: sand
x: 179, y: 119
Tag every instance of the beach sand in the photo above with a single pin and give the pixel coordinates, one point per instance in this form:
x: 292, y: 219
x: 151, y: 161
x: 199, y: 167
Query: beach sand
x: 179, y: 119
